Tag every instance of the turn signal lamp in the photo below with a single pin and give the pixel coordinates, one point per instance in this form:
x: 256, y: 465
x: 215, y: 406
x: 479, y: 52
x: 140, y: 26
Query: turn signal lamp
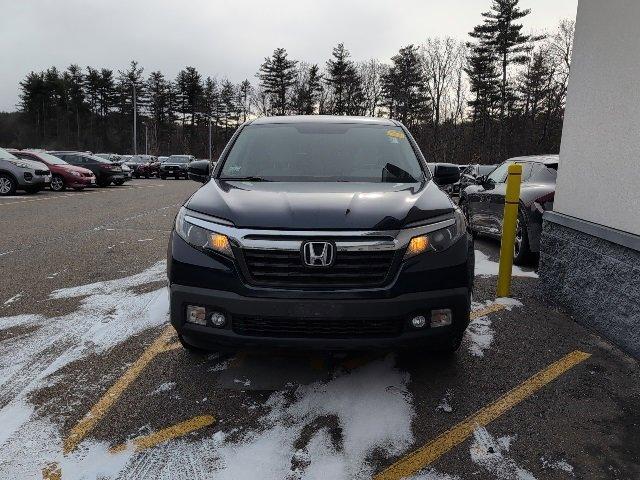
x: 417, y: 245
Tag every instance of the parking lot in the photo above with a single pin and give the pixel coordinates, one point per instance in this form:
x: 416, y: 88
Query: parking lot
x: 94, y: 384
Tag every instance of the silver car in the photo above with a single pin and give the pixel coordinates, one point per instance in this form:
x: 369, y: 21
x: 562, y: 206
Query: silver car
x: 18, y: 174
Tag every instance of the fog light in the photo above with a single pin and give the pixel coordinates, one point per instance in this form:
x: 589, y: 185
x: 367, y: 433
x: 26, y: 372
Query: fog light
x: 440, y: 318
x: 218, y: 319
x: 419, y: 321
x: 197, y: 315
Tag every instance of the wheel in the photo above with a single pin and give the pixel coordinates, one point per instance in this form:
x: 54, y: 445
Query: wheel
x: 521, y: 249
x: 57, y: 183
x: 136, y: 175
x: 465, y: 212
x: 103, y: 183
x: 7, y: 185
x: 118, y: 182
x: 163, y: 177
x: 32, y: 189
x: 146, y: 175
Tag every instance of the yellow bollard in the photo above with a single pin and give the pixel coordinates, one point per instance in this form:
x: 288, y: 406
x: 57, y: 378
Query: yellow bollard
x: 511, y: 202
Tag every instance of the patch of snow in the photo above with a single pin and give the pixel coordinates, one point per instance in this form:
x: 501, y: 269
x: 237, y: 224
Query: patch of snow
x: 490, y: 454
x: 373, y: 409
x: 164, y: 387
x: 479, y: 334
x: 561, y: 465
x: 488, y: 268
x: 13, y: 299
x: 445, y: 404
x: 108, y: 314
x: 145, y: 239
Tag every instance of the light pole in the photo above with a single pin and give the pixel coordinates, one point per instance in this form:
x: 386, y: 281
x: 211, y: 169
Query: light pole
x: 135, y: 120
x: 146, y: 139
x: 210, y: 157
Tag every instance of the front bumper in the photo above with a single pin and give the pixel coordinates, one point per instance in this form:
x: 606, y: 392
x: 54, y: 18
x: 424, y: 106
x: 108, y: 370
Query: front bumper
x: 398, y: 310
x: 443, y: 281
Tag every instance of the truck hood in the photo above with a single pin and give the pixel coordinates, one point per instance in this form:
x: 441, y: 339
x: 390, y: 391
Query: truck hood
x: 315, y: 205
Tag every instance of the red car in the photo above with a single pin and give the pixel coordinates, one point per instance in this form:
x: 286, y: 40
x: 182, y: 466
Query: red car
x: 63, y: 175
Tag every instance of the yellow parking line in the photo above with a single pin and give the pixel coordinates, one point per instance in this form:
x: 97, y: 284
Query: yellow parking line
x: 429, y: 453
x: 174, y: 431
x: 482, y: 312
x: 89, y: 421
x: 52, y: 472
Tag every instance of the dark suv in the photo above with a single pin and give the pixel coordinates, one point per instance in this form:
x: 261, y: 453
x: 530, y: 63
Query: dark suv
x: 320, y: 232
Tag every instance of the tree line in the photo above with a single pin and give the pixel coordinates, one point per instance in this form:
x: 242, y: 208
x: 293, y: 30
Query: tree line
x: 498, y: 94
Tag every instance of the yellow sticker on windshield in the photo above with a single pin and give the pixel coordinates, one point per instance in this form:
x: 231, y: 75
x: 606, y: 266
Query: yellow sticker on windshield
x: 395, y: 134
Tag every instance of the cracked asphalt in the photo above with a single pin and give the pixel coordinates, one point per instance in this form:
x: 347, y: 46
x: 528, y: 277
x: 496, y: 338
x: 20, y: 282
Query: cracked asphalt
x: 276, y: 415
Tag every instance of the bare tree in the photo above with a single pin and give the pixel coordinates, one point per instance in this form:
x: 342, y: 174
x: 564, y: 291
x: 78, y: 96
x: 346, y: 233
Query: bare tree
x: 371, y: 73
x: 443, y: 67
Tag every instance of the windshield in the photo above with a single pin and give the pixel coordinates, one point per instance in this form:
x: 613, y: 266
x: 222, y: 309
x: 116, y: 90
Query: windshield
x: 4, y: 155
x: 179, y: 159
x: 485, y: 169
x: 53, y: 160
x: 309, y: 152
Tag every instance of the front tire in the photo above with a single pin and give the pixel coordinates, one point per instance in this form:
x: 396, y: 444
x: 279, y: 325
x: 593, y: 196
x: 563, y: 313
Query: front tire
x: 103, y: 183
x: 118, y: 182
x: 57, y: 184
x: 7, y: 185
x: 191, y: 348
x: 521, y: 249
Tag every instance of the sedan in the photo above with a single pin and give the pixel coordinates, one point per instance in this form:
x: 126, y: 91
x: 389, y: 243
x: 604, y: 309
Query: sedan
x: 483, y: 203
x: 106, y: 172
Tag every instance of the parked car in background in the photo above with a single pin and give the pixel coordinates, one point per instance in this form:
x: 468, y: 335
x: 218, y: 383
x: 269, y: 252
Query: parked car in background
x: 20, y: 174
x: 112, y: 157
x: 162, y: 159
x: 147, y: 166
x: 483, y: 203
x: 176, y: 166
x: 63, y: 175
x: 471, y: 173
x: 106, y: 171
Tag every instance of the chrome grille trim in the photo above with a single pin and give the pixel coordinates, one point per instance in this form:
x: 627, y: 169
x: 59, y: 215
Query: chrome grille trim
x: 345, y: 240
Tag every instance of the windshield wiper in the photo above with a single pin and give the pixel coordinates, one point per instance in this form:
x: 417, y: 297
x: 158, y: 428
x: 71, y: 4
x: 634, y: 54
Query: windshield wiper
x: 249, y: 178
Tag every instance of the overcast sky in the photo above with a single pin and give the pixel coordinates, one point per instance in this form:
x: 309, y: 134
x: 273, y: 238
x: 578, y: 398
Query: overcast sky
x: 226, y: 38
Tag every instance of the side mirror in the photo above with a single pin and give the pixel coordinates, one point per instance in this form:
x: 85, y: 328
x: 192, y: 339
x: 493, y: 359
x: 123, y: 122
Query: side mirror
x: 198, y: 171
x: 446, y: 173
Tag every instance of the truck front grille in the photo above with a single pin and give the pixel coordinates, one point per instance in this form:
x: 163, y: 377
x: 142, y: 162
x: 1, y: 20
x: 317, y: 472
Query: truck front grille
x: 316, y: 327
x: 351, y: 269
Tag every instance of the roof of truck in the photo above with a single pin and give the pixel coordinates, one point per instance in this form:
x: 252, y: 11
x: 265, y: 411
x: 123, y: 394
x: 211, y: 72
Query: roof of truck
x: 324, y: 119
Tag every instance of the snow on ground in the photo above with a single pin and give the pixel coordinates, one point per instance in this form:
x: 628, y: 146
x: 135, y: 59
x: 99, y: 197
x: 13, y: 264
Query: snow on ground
x: 488, y: 268
x: 13, y: 299
x: 479, y: 335
x: 109, y: 313
x: 491, y: 454
x: 323, y: 430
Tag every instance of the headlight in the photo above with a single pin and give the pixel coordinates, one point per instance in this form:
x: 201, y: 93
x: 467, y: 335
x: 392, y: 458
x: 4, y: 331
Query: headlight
x: 202, y: 238
x: 440, y: 239
x: 76, y: 174
x: 19, y: 164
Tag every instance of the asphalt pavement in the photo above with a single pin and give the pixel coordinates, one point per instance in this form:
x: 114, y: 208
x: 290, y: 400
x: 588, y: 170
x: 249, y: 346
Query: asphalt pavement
x: 94, y: 385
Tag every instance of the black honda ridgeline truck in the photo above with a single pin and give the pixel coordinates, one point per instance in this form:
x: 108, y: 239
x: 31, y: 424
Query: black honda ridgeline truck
x: 320, y: 232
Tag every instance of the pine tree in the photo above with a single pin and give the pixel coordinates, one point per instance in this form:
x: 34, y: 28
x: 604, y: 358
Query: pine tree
x: 404, y: 87
x: 483, y: 82
x: 277, y: 76
x: 307, y: 89
x: 344, y: 82
x: 501, y: 35
x: 245, y: 91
